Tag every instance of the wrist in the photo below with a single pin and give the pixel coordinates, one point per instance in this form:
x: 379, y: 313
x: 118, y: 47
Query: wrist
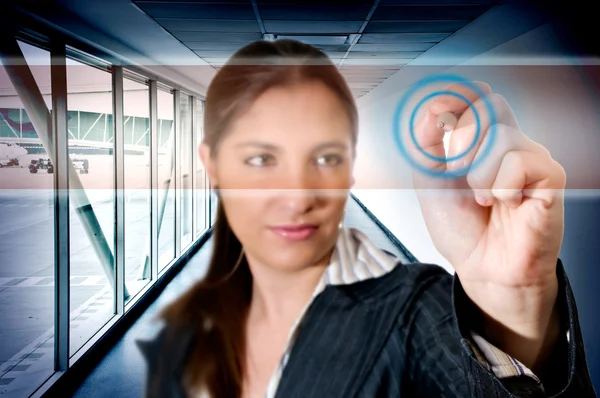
x: 522, y: 322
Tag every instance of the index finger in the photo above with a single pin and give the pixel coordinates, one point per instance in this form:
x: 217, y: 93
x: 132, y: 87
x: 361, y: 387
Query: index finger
x: 456, y: 104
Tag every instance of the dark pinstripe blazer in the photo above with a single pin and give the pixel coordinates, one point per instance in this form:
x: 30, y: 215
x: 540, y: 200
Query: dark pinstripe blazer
x: 400, y: 335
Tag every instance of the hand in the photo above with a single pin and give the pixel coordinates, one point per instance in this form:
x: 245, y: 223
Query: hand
x: 501, y: 224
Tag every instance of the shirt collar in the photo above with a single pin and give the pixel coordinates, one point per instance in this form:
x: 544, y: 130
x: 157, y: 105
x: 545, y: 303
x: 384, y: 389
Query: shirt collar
x: 354, y: 259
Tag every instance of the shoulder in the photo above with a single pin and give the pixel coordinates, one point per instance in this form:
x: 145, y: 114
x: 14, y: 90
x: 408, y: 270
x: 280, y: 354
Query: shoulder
x: 375, y: 273
x: 404, y: 281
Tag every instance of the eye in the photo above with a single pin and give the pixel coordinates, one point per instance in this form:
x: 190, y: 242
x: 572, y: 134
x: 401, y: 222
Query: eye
x: 261, y: 160
x: 329, y: 160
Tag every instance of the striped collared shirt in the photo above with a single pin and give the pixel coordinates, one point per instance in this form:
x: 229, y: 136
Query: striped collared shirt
x: 355, y: 258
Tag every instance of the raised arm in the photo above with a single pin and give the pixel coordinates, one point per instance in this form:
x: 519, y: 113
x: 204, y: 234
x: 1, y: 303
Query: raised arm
x: 447, y: 357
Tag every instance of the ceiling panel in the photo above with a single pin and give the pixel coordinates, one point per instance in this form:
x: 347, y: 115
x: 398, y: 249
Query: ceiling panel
x: 314, y: 12
x: 402, y: 38
x: 317, y: 2
x: 312, y: 27
x: 215, y: 54
x: 318, y: 40
x: 377, y: 62
x: 438, y: 2
x: 334, y: 48
x: 365, y: 68
x: 191, y: 1
x: 365, y: 79
x: 218, y: 37
x: 189, y: 10
x: 367, y: 51
x: 336, y: 54
x: 215, y: 61
x: 207, y: 46
x: 414, y: 47
x: 427, y: 13
x: 207, y: 25
x: 415, y: 26
x: 364, y: 86
x: 378, y: 54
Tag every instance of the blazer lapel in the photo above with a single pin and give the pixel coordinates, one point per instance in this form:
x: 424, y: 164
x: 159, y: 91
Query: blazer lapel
x: 338, y: 342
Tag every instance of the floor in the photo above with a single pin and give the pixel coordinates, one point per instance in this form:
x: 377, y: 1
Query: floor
x: 122, y: 372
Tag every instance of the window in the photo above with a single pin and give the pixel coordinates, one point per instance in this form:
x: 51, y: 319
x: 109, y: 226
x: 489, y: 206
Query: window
x: 136, y: 129
x: 166, y: 179
x: 26, y: 240
x: 28, y: 291
x: 186, y: 151
x: 92, y: 220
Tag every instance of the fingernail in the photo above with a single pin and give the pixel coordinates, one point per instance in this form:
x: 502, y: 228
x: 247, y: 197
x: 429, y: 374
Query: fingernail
x: 484, y: 197
x: 481, y: 200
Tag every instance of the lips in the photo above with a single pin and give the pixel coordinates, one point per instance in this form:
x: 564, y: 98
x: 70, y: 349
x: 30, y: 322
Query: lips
x: 295, y: 232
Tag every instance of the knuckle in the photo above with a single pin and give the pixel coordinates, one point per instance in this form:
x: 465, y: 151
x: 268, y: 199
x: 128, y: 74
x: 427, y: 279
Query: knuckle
x: 514, y: 159
x: 499, y: 103
x: 560, y: 174
x: 477, y: 178
x: 485, y: 87
x: 502, y: 130
x: 543, y: 150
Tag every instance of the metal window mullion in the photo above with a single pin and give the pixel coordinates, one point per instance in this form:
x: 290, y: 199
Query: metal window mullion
x: 194, y: 176
x: 154, y: 144
x: 132, y: 129
x: 176, y: 181
x: 119, y: 184
x: 61, y: 206
x: 106, y: 127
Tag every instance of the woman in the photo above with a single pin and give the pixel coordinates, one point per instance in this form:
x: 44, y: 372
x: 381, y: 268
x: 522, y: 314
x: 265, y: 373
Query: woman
x: 296, y: 305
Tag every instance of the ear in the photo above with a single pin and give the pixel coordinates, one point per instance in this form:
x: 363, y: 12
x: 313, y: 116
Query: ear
x: 209, y: 163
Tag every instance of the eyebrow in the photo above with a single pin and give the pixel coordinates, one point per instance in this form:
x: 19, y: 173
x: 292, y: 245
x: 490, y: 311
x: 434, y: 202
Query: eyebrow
x: 267, y: 146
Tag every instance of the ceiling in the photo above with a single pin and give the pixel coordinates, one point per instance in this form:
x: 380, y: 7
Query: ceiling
x: 368, y: 40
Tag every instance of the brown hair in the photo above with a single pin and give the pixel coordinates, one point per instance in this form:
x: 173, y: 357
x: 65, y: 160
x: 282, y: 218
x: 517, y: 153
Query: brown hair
x: 216, y: 307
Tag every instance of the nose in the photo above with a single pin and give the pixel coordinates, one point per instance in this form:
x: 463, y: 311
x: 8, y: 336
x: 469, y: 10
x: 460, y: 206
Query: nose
x: 299, y: 191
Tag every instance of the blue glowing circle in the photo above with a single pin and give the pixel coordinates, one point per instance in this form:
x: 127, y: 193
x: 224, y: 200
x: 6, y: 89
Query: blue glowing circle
x: 447, y: 78
x: 412, y: 124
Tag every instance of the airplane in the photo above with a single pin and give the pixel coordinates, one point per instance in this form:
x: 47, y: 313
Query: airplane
x: 10, y: 154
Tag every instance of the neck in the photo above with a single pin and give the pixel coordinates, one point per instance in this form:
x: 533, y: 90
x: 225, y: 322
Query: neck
x: 278, y: 297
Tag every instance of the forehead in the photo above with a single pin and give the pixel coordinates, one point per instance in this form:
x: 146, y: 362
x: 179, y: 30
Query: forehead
x: 303, y: 112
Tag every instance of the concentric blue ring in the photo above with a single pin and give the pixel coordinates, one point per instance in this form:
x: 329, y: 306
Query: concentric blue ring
x: 448, y: 79
x: 411, y: 126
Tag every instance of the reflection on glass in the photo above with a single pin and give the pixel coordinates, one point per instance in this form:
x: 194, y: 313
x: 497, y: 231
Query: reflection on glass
x: 91, y: 144
x: 201, y: 179
x: 166, y: 179
x: 26, y: 239
x: 186, y: 170
x: 136, y: 130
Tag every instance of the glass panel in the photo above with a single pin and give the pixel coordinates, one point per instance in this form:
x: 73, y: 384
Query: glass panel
x: 136, y: 109
x: 10, y: 120
x: 73, y: 124
x: 92, y: 227
x: 166, y: 174
x: 187, y: 150
x: 201, y: 180
x: 26, y: 243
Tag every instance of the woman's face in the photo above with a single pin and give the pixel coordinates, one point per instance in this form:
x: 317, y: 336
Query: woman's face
x: 283, y: 171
